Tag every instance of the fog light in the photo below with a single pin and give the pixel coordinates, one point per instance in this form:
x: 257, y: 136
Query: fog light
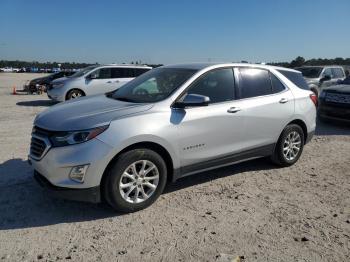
x: 77, y: 173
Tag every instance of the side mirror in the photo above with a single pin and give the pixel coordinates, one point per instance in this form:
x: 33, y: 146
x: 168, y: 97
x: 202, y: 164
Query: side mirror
x: 91, y: 76
x: 192, y: 100
x: 326, y: 78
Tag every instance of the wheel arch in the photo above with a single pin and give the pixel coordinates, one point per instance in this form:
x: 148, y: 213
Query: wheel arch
x: 71, y: 89
x: 303, y: 126
x: 149, y: 145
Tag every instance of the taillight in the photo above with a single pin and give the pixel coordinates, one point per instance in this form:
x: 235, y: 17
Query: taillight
x: 314, y: 99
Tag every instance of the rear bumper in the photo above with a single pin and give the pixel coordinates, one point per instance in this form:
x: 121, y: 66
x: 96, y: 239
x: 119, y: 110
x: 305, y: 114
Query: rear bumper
x: 92, y: 195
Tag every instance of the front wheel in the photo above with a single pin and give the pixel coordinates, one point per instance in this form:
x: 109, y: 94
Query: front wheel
x: 75, y: 93
x: 289, y: 146
x: 135, y: 180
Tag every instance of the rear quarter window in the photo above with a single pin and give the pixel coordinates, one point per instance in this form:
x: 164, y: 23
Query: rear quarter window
x: 295, y: 78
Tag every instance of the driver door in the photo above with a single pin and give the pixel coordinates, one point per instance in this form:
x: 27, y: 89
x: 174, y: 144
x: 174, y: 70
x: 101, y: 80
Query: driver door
x: 210, y: 135
x: 100, y: 81
x: 326, y: 83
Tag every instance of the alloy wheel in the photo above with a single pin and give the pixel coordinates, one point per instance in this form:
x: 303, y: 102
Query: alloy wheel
x: 139, y: 181
x: 292, y: 145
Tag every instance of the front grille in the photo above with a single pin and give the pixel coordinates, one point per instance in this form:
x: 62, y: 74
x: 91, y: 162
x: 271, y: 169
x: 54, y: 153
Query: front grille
x: 337, y: 98
x: 37, y: 147
x: 40, y: 143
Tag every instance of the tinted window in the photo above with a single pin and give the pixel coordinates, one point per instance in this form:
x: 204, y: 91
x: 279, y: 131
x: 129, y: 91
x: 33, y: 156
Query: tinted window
x: 139, y: 71
x: 218, y: 85
x: 310, y: 72
x: 327, y: 72
x: 277, y: 86
x: 296, y: 78
x: 122, y: 73
x: 337, y: 73
x: 102, y: 73
x: 254, y: 82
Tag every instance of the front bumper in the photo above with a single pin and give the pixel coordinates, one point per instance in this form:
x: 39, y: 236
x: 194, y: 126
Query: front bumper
x: 92, y: 195
x: 57, y: 163
x: 56, y: 94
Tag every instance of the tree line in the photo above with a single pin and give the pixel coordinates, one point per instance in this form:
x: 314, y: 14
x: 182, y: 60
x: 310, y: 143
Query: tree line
x: 297, y: 62
x: 300, y: 61
x: 50, y: 65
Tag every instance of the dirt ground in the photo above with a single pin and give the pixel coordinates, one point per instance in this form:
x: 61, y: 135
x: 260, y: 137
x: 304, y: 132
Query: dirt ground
x: 252, y: 210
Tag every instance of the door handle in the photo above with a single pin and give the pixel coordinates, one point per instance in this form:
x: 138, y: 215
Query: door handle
x: 233, y: 110
x: 109, y: 82
x: 283, y: 100
x: 116, y: 81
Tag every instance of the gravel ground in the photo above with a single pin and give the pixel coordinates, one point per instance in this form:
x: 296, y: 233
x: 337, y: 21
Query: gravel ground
x: 252, y: 210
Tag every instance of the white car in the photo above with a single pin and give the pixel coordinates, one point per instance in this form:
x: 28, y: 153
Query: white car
x: 170, y: 122
x: 92, y: 80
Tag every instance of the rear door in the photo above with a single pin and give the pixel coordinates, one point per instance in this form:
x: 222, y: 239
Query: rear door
x: 266, y: 106
x: 327, y: 72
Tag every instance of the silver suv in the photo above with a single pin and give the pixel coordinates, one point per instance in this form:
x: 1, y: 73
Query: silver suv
x: 92, y: 80
x: 171, y: 122
x: 319, y: 77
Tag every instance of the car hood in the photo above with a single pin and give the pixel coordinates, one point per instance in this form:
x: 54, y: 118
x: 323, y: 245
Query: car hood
x: 86, y: 112
x: 61, y: 80
x: 338, y: 89
x: 37, y: 80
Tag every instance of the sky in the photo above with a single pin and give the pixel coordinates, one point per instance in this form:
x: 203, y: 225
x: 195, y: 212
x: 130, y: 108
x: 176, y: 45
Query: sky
x: 165, y: 31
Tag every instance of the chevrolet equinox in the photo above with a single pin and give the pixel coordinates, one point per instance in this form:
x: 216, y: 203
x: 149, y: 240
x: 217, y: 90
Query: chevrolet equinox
x: 173, y: 121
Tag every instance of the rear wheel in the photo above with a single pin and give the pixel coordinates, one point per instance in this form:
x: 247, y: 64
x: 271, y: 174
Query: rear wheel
x: 135, y: 180
x: 289, y: 146
x: 75, y: 93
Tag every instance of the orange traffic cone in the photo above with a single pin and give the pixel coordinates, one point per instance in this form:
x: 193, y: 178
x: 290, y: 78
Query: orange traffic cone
x: 14, y: 91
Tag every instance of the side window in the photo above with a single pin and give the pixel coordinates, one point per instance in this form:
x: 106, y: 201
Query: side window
x: 277, y: 86
x: 218, y: 85
x: 337, y: 73
x: 327, y: 72
x: 121, y: 72
x: 139, y: 71
x: 116, y: 72
x: 254, y: 82
x: 103, y: 73
x: 296, y: 78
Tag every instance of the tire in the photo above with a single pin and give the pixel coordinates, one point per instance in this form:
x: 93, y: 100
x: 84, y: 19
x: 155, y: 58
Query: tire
x: 127, y: 192
x: 281, y: 156
x: 74, y: 93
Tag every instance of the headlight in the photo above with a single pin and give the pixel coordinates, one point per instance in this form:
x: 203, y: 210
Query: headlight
x: 76, y: 137
x: 57, y: 85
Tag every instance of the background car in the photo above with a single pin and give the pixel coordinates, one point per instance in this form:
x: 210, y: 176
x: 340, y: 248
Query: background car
x: 319, y: 77
x: 334, y: 102
x: 32, y: 86
x: 92, y: 80
x: 346, y: 81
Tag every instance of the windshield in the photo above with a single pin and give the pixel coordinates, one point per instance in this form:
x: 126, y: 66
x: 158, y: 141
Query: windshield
x: 153, y: 86
x: 310, y: 72
x: 83, y: 71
